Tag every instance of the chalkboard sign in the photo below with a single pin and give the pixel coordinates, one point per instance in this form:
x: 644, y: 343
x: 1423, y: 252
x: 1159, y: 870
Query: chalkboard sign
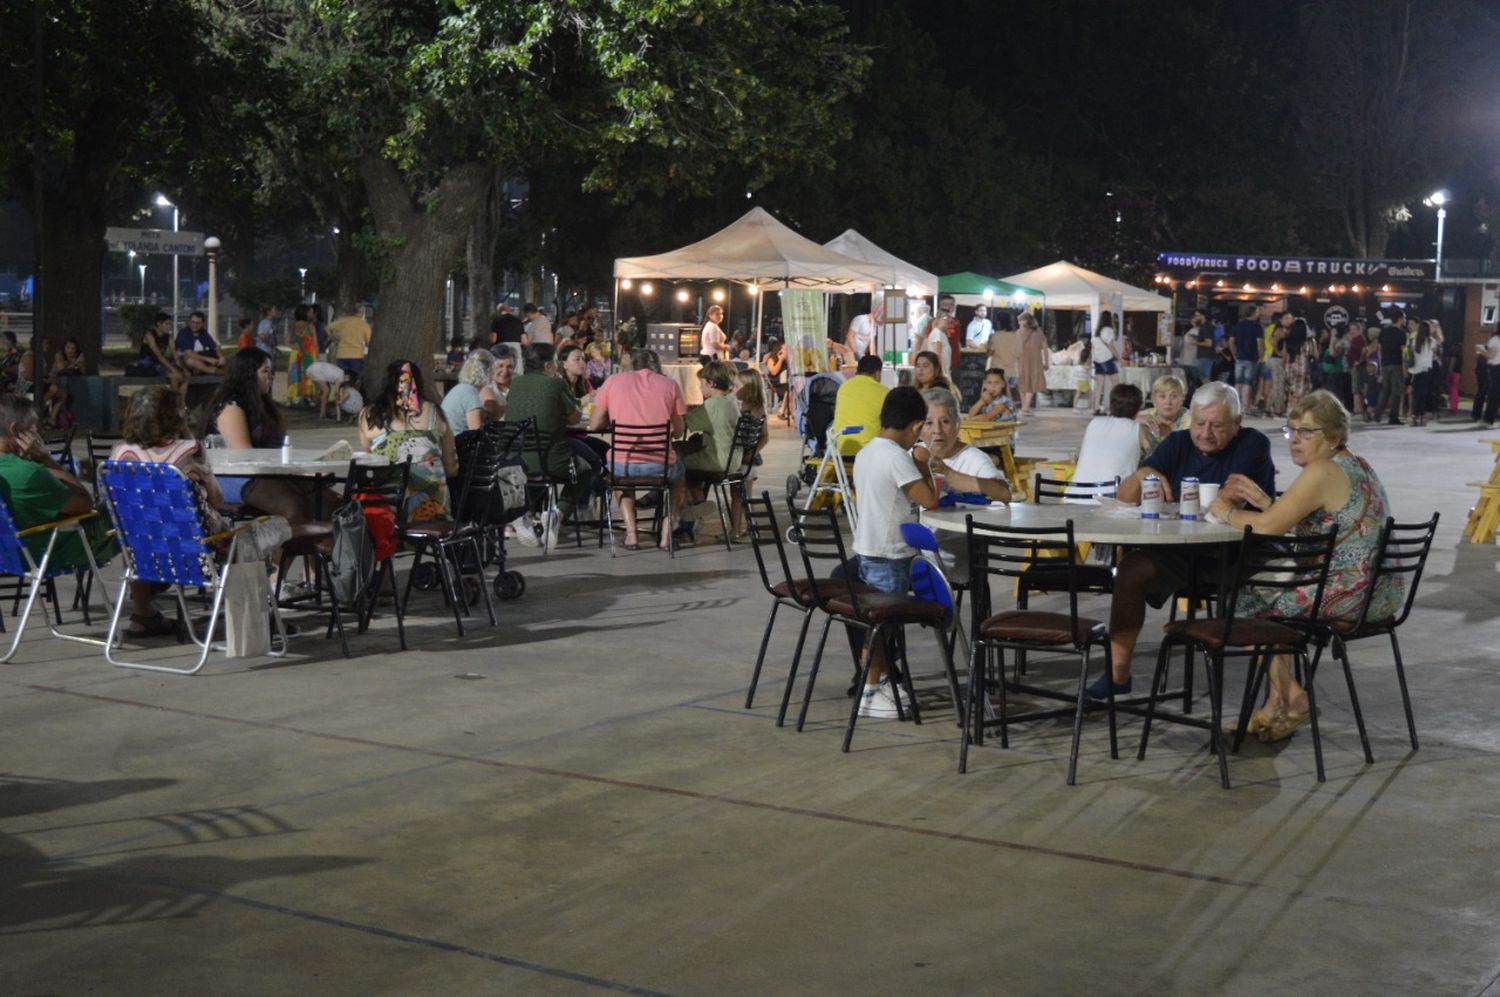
x: 970, y: 377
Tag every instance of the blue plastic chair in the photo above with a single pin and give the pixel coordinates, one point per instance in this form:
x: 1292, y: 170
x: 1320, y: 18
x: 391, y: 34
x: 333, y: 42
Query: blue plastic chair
x: 161, y: 526
x: 930, y: 581
x: 17, y: 561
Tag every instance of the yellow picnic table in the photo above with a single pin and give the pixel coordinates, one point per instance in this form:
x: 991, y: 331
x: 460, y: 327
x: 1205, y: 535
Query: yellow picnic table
x: 1484, y: 518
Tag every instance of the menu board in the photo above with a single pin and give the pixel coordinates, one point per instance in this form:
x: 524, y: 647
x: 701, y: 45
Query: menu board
x: 969, y: 380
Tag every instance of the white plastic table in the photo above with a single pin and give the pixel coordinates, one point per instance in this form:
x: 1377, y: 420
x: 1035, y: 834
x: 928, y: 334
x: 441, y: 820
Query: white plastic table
x: 267, y: 463
x: 1090, y: 524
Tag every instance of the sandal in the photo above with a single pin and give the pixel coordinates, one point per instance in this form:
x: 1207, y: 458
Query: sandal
x: 1283, y: 726
x: 151, y: 626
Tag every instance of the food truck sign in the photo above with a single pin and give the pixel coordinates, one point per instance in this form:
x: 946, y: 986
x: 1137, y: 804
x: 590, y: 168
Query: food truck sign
x: 1299, y: 267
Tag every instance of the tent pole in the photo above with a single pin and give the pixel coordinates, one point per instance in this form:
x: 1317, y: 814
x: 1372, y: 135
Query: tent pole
x: 758, y: 309
x: 615, y: 318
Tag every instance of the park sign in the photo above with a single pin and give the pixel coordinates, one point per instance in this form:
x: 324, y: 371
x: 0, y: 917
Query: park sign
x: 146, y: 241
x: 1298, y: 267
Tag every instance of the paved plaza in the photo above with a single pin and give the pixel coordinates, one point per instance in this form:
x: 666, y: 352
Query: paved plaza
x: 578, y: 800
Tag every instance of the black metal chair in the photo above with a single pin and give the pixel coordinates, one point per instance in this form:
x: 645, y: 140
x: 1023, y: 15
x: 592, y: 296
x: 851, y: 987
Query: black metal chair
x: 647, y: 446
x: 1401, y: 557
x: 381, y: 491
x: 1011, y: 553
x: 482, y: 454
x: 1053, y: 491
x: 98, y: 447
x: 877, y: 613
x: 736, y: 469
x: 784, y: 588
x: 1267, y: 565
x: 456, y: 552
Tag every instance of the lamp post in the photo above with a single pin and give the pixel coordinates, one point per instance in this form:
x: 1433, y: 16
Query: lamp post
x: 162, y: 202
x: 1437, y: 199
x: 211, y: 247
x: 302, y: 276
x: 142, y: 269
x: 130, y: 260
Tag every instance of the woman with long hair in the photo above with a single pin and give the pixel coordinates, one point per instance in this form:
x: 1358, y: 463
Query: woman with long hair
x: 401, y: 422
x: 1423, y: 350
x: 927, y: 372
x: 572, y: 366
x: 300, y: 387
x: 246, y: 416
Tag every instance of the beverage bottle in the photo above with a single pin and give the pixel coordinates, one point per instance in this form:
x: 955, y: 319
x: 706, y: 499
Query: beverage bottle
x: 286, y: 449
x: 1151, y: 497
x: 1189, y: 506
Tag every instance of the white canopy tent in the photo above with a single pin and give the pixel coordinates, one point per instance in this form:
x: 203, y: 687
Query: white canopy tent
x: 898, y: 273
x: 1069, y: 286
x: 761, y: 252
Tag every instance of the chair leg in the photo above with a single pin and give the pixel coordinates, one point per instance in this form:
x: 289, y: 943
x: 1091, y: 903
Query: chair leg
x: 791, y: 675
x: 1341, y: 652
x: 1253, y: 675
x: 721, y: 500
x: 1411, y: 724
x: 952, y: 670
x: 812, y: 674
x: 484, y: 588
x: 1157, y: 676
x: 976, y: 692
x: 1216, y: 720
x: 1312, y: 712
x: 1083, y: 681
x: 760, y: 659
x: 870, y: 638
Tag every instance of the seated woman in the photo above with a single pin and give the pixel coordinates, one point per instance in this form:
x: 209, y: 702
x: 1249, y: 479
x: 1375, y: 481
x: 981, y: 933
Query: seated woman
x: 750, y: 392
x: 927, y: 372
x: 463, y: 405
x: 402, y: 423
x: 714, y: 420
x: 1335, y: 489
x: 1111, y: 445
x: 572, y: 366
x: 1166, y: 414
x: 244, y: 414
x: 966, y: 470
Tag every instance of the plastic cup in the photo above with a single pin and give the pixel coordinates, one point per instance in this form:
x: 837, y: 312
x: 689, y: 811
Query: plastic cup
x: 939, y: 481
x: 1206, y: 495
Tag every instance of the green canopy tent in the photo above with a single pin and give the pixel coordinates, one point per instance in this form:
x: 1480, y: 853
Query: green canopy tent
x: 968, y: 289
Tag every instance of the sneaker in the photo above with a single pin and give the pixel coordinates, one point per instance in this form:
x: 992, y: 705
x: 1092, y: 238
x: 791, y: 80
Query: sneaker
x: 879, y: 702
x: 1102, y: 688
x: 526, y: 532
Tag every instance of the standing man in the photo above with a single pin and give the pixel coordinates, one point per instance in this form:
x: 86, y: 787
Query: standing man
x: 351, y: 341
x: 196, y: 347
x: 1392, y: 368
x: 1245, y: 341
x: 507, y: 328
x: 977, y: 336
x: 1487, y: 370
x: 265, y: 333
x: 538, y: 328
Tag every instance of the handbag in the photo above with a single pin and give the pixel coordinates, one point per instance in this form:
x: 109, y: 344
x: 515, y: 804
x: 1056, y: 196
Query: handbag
x: 247, y: 594
x: 353, y: 559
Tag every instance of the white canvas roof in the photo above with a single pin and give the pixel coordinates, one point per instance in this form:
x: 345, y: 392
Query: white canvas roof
x: 1068, y: 285
x: 758, y: 249
x: 918, y: 283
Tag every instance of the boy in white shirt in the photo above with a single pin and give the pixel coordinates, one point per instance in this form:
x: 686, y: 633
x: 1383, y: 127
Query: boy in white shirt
x: 889, y: 475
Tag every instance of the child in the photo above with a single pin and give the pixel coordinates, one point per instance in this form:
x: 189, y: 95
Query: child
x: 994, y: 399
x: 751, y: 393
x: 246, y: 337
x: 593, y: 366
x: 889, y: 475
x: 347, y: 399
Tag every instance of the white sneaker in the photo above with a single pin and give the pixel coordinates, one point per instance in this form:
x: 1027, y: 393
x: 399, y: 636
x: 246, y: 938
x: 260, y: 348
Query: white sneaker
x: 526, y: 532
x: 879, y: 701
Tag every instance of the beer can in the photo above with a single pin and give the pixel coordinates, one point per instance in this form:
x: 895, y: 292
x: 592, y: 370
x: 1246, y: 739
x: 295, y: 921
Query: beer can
x: 1151, y: 497
x: 1188, y: 499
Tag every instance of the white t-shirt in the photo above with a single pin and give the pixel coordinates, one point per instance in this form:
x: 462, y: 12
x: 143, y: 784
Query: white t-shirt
x: 937, y: 342
x: 1493, y: 347
x: 979, y: 332
x: 861, y: 334
x: 974, y: 462
x: 1111, y: 447
x: 539, y: 329
x: 712, y: 341
x: 881, y: 470
x: 952, y: 545
x: 1103, y: 346
x: 353, y: 402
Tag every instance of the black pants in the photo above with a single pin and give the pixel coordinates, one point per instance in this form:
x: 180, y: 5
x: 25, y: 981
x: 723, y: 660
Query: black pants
x: 1482, y: 382
x: 1392, y: 386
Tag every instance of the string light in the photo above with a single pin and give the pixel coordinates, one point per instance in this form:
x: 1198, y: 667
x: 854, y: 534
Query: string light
x: 718, y: 294
x: 1219, y: 283
x: 647, y: 289
x: 626, y: 284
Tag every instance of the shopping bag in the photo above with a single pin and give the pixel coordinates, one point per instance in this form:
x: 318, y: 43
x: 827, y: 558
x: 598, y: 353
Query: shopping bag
x: 247, y: 597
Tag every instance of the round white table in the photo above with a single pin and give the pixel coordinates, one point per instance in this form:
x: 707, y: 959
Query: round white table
x: 267, y: 463
x: 1090, y: 524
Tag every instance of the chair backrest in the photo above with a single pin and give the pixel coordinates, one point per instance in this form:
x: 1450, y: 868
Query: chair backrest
x: 160, y: 522
x: 821, y: 542
x: 765, y: 537
x: 1402, y: 556
x: 1055, y: 491
x: 1011, y: 551
x: 929, y: 582
x: 479, y: 457
x: 14, y: 558
x: 634, y: 444
x: 510, y: 438
x: 742, y: 448
x: 60, y: 447
x: 1269, y: 565
x: 99, y: 446
x: 380, y: 486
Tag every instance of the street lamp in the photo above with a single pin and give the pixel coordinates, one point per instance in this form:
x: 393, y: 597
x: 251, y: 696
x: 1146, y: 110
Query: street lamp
x: 302, y: 275
x: 162, y: 202
x: 211, y: 247
x: 1437, y: 199
x: 142, y: 269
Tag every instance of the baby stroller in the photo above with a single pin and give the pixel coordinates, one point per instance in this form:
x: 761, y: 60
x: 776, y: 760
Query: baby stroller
x: 492, y: 493
x: 828, y: 473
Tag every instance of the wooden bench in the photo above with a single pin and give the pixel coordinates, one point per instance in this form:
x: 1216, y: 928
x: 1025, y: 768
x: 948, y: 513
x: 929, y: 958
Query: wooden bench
x: 1484, y: 518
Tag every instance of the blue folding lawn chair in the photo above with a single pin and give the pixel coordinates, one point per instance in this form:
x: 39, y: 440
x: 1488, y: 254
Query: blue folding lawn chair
x: 34, y: 575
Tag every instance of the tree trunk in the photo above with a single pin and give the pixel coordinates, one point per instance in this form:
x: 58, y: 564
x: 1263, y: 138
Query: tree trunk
x: 348, y: 268
x: 428, y: 241
x: 73, y: 248
x: 483, y: 232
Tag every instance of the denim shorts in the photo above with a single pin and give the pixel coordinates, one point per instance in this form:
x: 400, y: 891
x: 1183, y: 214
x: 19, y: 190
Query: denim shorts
x: 623, y: 469
x: 1245, y: 371
x: 233, y: 488
x: 888, y: 574
x: 1107, y: 368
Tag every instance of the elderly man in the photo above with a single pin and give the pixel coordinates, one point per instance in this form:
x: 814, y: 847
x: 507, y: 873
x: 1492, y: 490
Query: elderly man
x: 1211, y: 449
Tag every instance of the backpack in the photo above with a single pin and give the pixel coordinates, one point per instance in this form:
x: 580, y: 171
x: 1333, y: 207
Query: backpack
x: 353, y: 560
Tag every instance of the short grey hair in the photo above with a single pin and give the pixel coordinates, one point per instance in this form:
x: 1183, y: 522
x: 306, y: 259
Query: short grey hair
x: 944, y: 398
x: 478, y: 369
x: 1218, y: 393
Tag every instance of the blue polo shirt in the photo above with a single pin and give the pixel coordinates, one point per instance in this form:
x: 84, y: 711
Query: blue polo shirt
x: 1249, y: 453
x: 1247, y: 339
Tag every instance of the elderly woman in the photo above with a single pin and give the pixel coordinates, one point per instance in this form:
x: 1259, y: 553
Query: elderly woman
x: 1166, y: 414
x: 463, y: 405
x: 1035, y: 359
x: 1338, y: 490
x: 966, y: 469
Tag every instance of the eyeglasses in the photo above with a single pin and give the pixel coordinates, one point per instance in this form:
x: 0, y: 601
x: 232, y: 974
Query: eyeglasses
x: 1305, y: 432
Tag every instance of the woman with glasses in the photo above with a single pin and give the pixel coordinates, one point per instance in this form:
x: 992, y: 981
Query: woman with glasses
x: 1335, y: 489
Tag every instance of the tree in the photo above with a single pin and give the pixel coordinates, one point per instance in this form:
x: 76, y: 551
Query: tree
x: 431, y: 101
x: 116, y: 77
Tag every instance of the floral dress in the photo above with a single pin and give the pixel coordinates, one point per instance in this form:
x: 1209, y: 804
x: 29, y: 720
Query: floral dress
x: 300, y: 387
x: 1359, y: 524
x: 427, y: 492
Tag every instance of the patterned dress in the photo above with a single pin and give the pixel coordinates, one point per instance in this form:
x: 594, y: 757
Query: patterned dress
x: 1359, y: 524
x: 300, y: 386
x: 427, y: 492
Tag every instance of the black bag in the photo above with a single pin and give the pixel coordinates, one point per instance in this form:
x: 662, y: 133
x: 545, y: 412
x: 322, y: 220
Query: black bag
x: 353, y: 560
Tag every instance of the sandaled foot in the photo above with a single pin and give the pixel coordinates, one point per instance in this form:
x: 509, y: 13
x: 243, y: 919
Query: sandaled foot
x: 1283, y: 726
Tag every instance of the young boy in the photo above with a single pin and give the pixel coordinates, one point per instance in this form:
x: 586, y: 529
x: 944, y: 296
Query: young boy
x: 888, y: 477
x: 994, y: 399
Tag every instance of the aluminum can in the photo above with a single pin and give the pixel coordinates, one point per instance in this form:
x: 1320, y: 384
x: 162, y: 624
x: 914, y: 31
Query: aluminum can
x: 1188, y: 505
x: 1151, y: 497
